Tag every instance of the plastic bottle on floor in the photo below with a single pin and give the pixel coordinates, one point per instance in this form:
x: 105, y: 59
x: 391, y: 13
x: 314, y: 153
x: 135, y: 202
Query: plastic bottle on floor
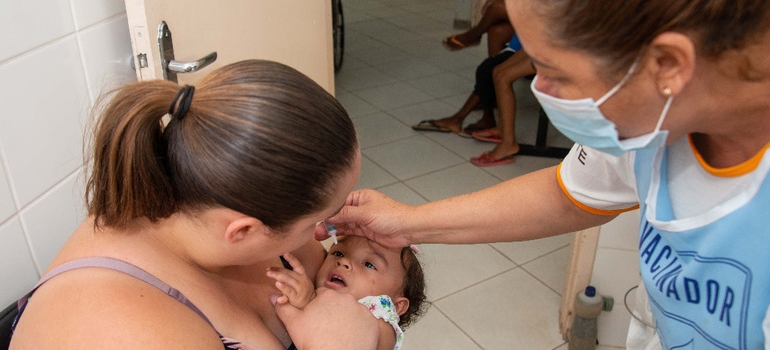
x: 588, y: 306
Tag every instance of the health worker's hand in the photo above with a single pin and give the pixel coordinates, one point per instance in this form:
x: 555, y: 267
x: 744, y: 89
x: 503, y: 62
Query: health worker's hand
x: 373, y: 215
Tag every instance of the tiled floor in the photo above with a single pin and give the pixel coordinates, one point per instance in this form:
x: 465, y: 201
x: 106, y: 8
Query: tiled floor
x: 396, y: 73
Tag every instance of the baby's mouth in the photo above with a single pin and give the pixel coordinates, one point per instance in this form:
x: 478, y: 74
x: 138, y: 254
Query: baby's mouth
x: 337, y: 280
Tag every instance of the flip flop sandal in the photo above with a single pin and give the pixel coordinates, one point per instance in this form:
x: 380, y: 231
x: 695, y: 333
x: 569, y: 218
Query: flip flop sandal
x: 474, y: 127
x: 452, y: 44
x: 464, y: 134
x: 486, y: 160
x: 487, y: 136
x: 429, y: 125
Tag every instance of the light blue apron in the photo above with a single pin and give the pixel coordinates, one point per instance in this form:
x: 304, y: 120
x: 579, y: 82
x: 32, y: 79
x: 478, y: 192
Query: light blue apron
x: 708, y: 277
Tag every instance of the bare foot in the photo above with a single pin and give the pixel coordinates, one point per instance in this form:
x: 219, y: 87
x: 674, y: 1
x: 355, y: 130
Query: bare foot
x: 503, y: 150
x: 461, y: 41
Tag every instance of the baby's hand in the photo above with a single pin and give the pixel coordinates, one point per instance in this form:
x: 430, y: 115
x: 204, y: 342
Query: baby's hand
x: 296, y: 287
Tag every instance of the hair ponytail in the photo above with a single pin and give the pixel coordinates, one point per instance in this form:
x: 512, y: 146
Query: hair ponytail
x: 129, y: 178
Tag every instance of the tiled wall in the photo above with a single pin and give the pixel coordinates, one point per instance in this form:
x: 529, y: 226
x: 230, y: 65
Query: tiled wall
x: 616, y: 270
x: 56, y: 57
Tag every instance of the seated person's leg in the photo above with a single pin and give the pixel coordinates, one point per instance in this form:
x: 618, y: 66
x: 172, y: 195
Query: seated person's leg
x: 504, y: 74
x: 483, y: 93
x: 498, y: 37
x: 485, y: 89
x: 494, y: 12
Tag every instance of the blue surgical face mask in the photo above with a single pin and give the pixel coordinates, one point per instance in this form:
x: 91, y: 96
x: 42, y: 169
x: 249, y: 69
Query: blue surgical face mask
x: 583, y: 122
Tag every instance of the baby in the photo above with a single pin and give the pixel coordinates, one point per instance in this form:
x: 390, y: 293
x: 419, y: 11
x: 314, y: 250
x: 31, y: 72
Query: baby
x: 388, y: 281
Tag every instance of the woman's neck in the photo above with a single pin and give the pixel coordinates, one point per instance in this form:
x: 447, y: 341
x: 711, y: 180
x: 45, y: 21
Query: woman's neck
x: 730, y: 117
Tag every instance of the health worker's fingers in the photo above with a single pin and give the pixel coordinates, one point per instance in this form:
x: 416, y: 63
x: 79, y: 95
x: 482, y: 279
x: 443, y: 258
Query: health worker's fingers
x: 320, y: 233
x: 375, y: 216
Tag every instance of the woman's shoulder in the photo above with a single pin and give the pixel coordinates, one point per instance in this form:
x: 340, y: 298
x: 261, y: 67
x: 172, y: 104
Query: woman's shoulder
x: 92, y: 307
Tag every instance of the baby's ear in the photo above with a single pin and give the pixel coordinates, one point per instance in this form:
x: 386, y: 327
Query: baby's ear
x: 401, y: 304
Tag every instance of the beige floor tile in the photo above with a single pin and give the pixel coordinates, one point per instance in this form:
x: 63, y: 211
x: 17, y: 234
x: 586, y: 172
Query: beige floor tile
x: 363, y: 78
x: 463, y: 178
x: 509, y: 311
x: 435, y: 331
x: 373, y: 176
x: 412, y: 157
x: 442, y: 85
x: 380, y: 128
x: 354, y: 105
x: 549, y: 269
x: 463, y: 146
x: 450, y: 268
x: 523, y: 252
x: 393, y: 95
x: 413, y: 114
x: 402, y: 194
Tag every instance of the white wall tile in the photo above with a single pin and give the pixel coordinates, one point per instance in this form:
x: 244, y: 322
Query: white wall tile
x: 50, y: 220
x: 107, y: 56
x: 7, y: 206
x: 88, y: 12
x: 622, y: 232
x: 30, y: 23
x: 44, y: 101
x: 17, y: 270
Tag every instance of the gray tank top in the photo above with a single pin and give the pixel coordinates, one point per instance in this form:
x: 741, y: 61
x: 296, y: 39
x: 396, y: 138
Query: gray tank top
x: 129, y: 269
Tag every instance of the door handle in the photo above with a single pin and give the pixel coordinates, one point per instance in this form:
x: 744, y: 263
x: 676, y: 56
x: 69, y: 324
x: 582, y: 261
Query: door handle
x: 171, y: 67
x: 191, y: 66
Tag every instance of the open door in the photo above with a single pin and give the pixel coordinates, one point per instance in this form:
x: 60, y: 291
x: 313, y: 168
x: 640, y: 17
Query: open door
x: 295, y: 33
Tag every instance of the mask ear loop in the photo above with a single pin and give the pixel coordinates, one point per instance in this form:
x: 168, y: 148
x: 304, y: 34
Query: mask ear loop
x: 621, y: 83
x: 666, y: 92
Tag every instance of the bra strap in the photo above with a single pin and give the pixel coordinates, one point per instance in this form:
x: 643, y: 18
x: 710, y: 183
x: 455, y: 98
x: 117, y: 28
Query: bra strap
x: 120, y: 266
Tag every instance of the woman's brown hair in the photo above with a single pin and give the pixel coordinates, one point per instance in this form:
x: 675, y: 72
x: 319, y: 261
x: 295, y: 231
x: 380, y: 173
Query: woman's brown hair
x: 617, y: 31
x: 259, y: 138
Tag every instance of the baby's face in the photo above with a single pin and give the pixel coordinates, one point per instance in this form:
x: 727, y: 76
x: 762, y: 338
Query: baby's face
x: 361, y: 267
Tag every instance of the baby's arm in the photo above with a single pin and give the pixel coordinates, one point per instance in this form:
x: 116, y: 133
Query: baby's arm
x: 296, y: 287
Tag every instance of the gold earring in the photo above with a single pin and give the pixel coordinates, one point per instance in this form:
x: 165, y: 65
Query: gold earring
x: 666, y: 91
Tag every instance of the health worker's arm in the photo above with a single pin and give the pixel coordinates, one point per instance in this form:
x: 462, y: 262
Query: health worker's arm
x: 531, y: 206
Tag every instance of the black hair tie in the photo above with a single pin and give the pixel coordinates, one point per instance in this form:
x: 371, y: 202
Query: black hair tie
x: 184, y: 97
